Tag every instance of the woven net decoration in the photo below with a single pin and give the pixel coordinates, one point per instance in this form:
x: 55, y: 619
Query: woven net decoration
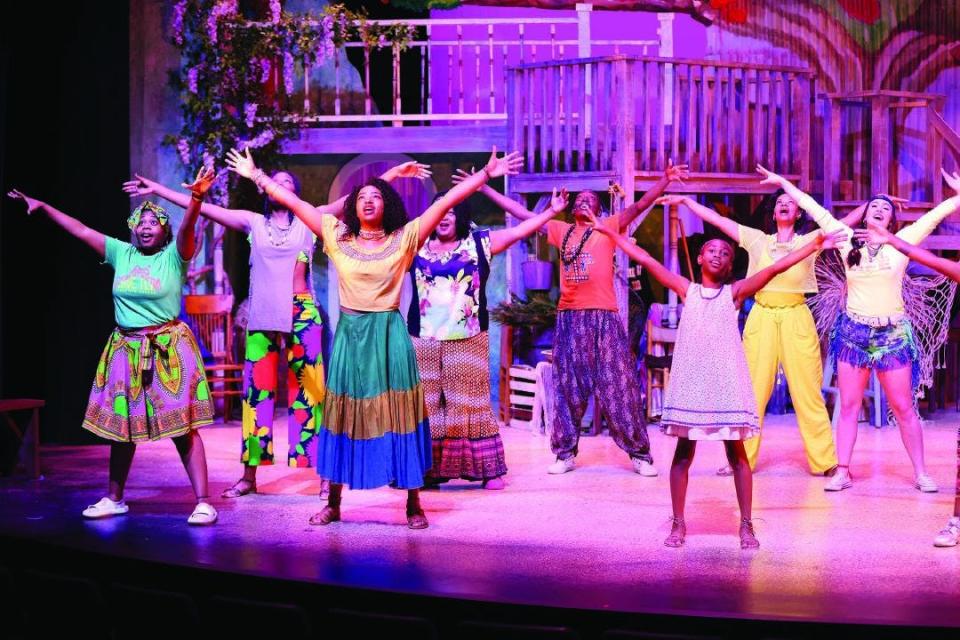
x: 928, y: 300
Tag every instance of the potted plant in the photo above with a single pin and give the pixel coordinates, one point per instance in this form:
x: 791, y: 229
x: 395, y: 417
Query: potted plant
x: 532, y: 321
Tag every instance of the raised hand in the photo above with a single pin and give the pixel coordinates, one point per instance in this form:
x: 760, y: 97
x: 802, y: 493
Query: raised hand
x: 508, y: 165
x: 460, y: 175
x: 201, y: 184
x: 672, y: 200
x: 559, y: 200
x: 32, y: 203
x: 874, y: 233
x: 140, y: 186
x: 831, y: 240
x: 676, y: 173
x: 241, y: 163
x: 769, y: 177
x: 413, y: 169
x: 952, y: 180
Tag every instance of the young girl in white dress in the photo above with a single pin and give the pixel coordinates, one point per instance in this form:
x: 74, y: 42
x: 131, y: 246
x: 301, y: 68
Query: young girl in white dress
x: 710, y: 396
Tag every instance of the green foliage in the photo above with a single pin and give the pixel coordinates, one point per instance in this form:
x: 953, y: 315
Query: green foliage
x: 537, y: 311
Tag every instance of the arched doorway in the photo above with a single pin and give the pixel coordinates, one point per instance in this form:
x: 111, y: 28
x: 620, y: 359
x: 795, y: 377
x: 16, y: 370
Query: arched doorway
x: 416, y: 194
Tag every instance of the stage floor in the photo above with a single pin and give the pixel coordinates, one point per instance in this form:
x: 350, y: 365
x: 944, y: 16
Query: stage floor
x: 589, y: 539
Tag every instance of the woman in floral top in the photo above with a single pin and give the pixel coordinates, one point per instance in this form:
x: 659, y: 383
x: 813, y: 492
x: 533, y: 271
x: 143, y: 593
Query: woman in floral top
x: 448, y: 322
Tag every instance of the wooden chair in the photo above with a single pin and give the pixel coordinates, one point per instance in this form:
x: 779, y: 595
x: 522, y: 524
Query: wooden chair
x: 212, y: 319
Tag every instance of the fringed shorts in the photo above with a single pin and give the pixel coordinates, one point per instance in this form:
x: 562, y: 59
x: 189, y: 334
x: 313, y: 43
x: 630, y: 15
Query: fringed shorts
x: 884, y: 348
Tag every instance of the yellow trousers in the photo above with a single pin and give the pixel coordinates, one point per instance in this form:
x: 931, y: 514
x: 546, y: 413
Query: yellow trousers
x: 788, y: 336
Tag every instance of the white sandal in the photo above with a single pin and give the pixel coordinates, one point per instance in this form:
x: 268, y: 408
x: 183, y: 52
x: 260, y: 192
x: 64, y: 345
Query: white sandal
x: 106, y: 508
x: 203, y: 514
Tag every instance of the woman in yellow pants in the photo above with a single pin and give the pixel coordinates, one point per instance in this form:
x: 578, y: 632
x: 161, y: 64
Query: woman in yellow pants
x: 780, y: 329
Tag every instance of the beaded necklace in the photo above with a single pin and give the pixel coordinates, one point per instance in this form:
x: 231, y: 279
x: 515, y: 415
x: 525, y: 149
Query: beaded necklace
x: 569, y: 259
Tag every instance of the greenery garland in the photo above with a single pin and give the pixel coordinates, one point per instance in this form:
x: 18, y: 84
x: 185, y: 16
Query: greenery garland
x: 228, y: 63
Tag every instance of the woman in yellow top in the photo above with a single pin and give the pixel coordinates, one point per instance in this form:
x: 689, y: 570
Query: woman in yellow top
x: 780, y: 329
x: 375, y: 430
x: 874, y: 332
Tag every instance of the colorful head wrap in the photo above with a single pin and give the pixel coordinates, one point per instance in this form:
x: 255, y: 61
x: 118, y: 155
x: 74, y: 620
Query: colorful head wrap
x: 155, y: 209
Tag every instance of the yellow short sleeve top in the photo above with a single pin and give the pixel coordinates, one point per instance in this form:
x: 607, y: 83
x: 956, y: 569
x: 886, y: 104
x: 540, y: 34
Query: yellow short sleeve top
x: 370, y: 279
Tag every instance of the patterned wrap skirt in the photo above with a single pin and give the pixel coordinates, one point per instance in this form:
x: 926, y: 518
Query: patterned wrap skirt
x: 150, y: 384
x: 456, y: 382
x: 883, y: 348
x: 375, y: 430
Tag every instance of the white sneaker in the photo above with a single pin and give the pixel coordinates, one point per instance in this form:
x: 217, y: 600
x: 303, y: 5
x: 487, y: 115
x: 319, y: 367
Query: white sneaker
x: 644, y: 468
x: 106, y: 508
x: 949, y: 535
x: 841, y: 480
x: 926, y: 484
x: 561, y: 466
x: 203, y: 514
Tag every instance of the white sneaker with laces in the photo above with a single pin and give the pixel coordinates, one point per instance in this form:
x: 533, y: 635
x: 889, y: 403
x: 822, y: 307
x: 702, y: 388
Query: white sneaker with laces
x: 841, y: 480
x: 949, y: 535
x: 561, y: 466
x: 106, y: 508
x: 644, y: 468
x: 926, y: 484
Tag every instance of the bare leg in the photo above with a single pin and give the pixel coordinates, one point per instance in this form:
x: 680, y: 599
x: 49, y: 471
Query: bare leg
x: 121, y: 459
x: 194, y: 458
x: 331, y: 512
x: 852, y: 382
x: 416, y: 519
x: 679, y: 478
x: 898, y: 388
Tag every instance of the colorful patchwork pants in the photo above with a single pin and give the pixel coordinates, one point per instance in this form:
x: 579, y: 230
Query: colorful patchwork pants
x: 305, y: 388
x: 456, y: 384
x: 591, y: 356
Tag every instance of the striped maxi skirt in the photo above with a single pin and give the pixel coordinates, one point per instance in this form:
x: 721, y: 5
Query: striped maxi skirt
x: 375, y: 430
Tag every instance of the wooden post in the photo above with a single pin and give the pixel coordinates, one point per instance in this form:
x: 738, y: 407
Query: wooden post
x: 831, y: 149
x: 626, y: 159
x: 673, y: 263
x: 880, y: 147
x: 665, y: 33
x: 583, y: 51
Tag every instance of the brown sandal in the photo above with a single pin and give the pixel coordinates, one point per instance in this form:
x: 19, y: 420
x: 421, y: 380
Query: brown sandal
x: 325, y: 516
x: 678, y: 533
x: 417, y: 520
x: 236, y: 492
x: 748, y: 539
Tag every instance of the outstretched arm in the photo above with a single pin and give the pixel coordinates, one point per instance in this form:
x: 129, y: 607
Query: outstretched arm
x: 495, y: 167
x: 821, y: 216
x: 874, y: 233
x: 647, y: 200
x: 237, y: 219
x: 242, y: 164
x: 186, y: 238
x: 743, y: 289
x: 93, y: 239
x: 708, y: 215
x: 411, y: 169
x: 667, y: 278
x: 509, y: 205
x: 502, y: 239
x: 924, y: 226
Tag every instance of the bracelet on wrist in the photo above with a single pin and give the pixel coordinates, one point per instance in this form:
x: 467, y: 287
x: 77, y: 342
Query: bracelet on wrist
x: 195, y: 196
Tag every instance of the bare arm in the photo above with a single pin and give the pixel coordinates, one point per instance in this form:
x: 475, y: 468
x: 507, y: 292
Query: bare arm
x: 509, y: 205
x: 186, y: 238
x: 93, y: 239
x: 648, y: 199
x: 743, y: 289
x: 708, y: 215
x: 949, y: 268
x: 502, y: 239
x: 238, y: 219
x: 667, y: 278
x: 243, y: 165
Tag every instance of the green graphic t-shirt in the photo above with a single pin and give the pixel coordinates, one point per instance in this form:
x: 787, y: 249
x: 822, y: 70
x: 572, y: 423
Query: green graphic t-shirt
x: 146, y: 289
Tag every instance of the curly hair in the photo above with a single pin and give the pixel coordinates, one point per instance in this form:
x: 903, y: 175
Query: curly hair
x: 767, y: 212
x: 394, y: 211
x: 853, y: 258
x: 463, y: 214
